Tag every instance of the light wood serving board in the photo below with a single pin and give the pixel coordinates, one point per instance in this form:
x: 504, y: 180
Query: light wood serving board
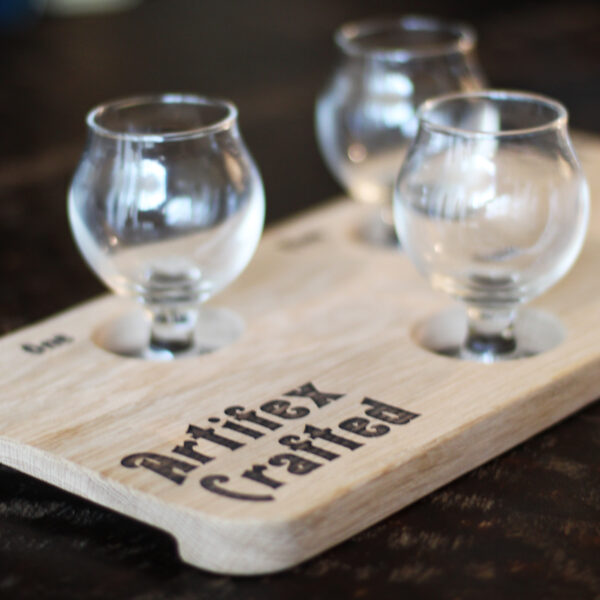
x: 343, y: 419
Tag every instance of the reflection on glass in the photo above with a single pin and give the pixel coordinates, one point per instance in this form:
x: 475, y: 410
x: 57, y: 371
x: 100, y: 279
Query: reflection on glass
x: 366, y: 115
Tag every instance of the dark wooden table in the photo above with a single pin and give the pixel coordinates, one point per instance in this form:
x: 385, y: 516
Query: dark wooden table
x: 525, y: 525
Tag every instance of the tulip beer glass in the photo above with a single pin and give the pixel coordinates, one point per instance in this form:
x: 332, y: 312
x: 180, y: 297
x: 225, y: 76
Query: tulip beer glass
x: 167, y: 206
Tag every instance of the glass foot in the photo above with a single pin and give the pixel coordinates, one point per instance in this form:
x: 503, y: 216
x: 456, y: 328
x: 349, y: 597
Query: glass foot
x: 130, y: 335
x: 535, y: 331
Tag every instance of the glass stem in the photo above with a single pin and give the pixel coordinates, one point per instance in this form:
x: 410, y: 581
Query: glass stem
x: 490, y: 331
x: 173, y: 327
x: 380, y: 228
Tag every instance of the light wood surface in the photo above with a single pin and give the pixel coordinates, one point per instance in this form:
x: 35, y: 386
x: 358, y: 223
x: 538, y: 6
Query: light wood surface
x: 320, y: 307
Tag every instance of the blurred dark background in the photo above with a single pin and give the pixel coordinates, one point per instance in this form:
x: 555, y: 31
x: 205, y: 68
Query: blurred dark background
x: 270, y: 57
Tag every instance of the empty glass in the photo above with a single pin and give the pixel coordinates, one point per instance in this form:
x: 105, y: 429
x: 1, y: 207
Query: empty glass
x: 366, y: 115
x: 492, y: 207
x: 167, y: 206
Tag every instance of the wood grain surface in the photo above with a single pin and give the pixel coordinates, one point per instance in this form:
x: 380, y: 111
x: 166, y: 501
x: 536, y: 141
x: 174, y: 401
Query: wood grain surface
x: 322, y: 419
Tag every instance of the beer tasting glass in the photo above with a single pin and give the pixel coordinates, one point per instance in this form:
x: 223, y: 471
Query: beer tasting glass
x: 492, y: 207
x: 366, y: 115
x: 167, y: 206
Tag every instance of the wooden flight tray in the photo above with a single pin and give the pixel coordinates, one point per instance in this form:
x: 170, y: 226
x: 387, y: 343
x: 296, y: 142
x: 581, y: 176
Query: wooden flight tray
x: 322, y: 419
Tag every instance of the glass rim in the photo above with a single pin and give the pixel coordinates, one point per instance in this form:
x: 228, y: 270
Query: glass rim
x: 347, y: 37
x: 560, y: 119
x: 162, y: 99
